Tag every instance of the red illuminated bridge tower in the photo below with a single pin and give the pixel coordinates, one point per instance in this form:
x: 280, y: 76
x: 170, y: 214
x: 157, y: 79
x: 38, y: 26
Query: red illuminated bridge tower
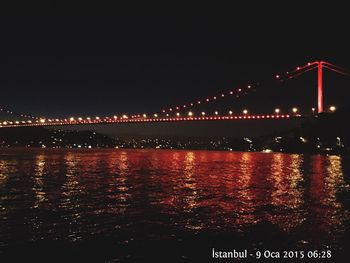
x: 332, y: 67
x: 310, y: 66
x: 176, y: 113
x: 319, y: 87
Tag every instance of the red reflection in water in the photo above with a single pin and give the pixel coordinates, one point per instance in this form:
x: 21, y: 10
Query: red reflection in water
x: 99, y: 191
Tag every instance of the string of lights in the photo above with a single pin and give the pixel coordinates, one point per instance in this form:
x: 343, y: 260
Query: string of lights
x: 11, y: 112
x: 98, y: 120
x: 296, y: 72
x: 174, y: 113
x: 238, y: 92
x: 277, y: 113
x: 310, y: 66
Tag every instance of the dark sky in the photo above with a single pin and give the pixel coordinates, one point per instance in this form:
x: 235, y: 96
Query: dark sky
x: 141, y: 61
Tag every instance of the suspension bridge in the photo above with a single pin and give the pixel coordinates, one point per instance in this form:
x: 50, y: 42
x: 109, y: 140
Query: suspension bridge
x: 189, y: 111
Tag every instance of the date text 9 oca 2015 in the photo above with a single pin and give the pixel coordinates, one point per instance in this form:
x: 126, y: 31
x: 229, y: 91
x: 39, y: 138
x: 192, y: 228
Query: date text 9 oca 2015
x: 296, y: 254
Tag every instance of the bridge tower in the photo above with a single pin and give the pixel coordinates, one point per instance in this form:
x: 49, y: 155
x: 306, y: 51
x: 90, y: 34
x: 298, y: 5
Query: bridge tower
x: 319, y: 86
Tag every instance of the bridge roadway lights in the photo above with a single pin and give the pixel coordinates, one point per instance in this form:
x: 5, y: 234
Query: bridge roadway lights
x: 150, y: 120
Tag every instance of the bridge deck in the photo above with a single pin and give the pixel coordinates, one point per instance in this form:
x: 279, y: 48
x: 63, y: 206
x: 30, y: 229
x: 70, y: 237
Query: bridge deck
x: 89, y: 121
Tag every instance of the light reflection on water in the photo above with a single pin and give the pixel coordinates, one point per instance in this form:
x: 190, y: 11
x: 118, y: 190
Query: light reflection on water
x: 129, y: 196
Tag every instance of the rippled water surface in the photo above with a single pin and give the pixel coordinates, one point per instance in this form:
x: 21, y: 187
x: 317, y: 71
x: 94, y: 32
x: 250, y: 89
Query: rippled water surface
x: 133, y: 205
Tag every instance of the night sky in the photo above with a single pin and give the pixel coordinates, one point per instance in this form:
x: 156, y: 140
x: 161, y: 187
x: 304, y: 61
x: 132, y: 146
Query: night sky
x: 135, y: 62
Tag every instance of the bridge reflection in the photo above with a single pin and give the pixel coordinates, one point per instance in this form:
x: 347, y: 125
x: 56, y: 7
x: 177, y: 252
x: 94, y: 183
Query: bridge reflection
x: 104, y: 191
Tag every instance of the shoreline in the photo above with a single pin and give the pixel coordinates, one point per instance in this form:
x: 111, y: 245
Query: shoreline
x: 166, y: 149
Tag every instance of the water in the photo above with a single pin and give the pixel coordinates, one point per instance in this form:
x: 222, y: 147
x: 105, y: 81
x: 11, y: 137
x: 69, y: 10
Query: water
x: 168, y: 206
